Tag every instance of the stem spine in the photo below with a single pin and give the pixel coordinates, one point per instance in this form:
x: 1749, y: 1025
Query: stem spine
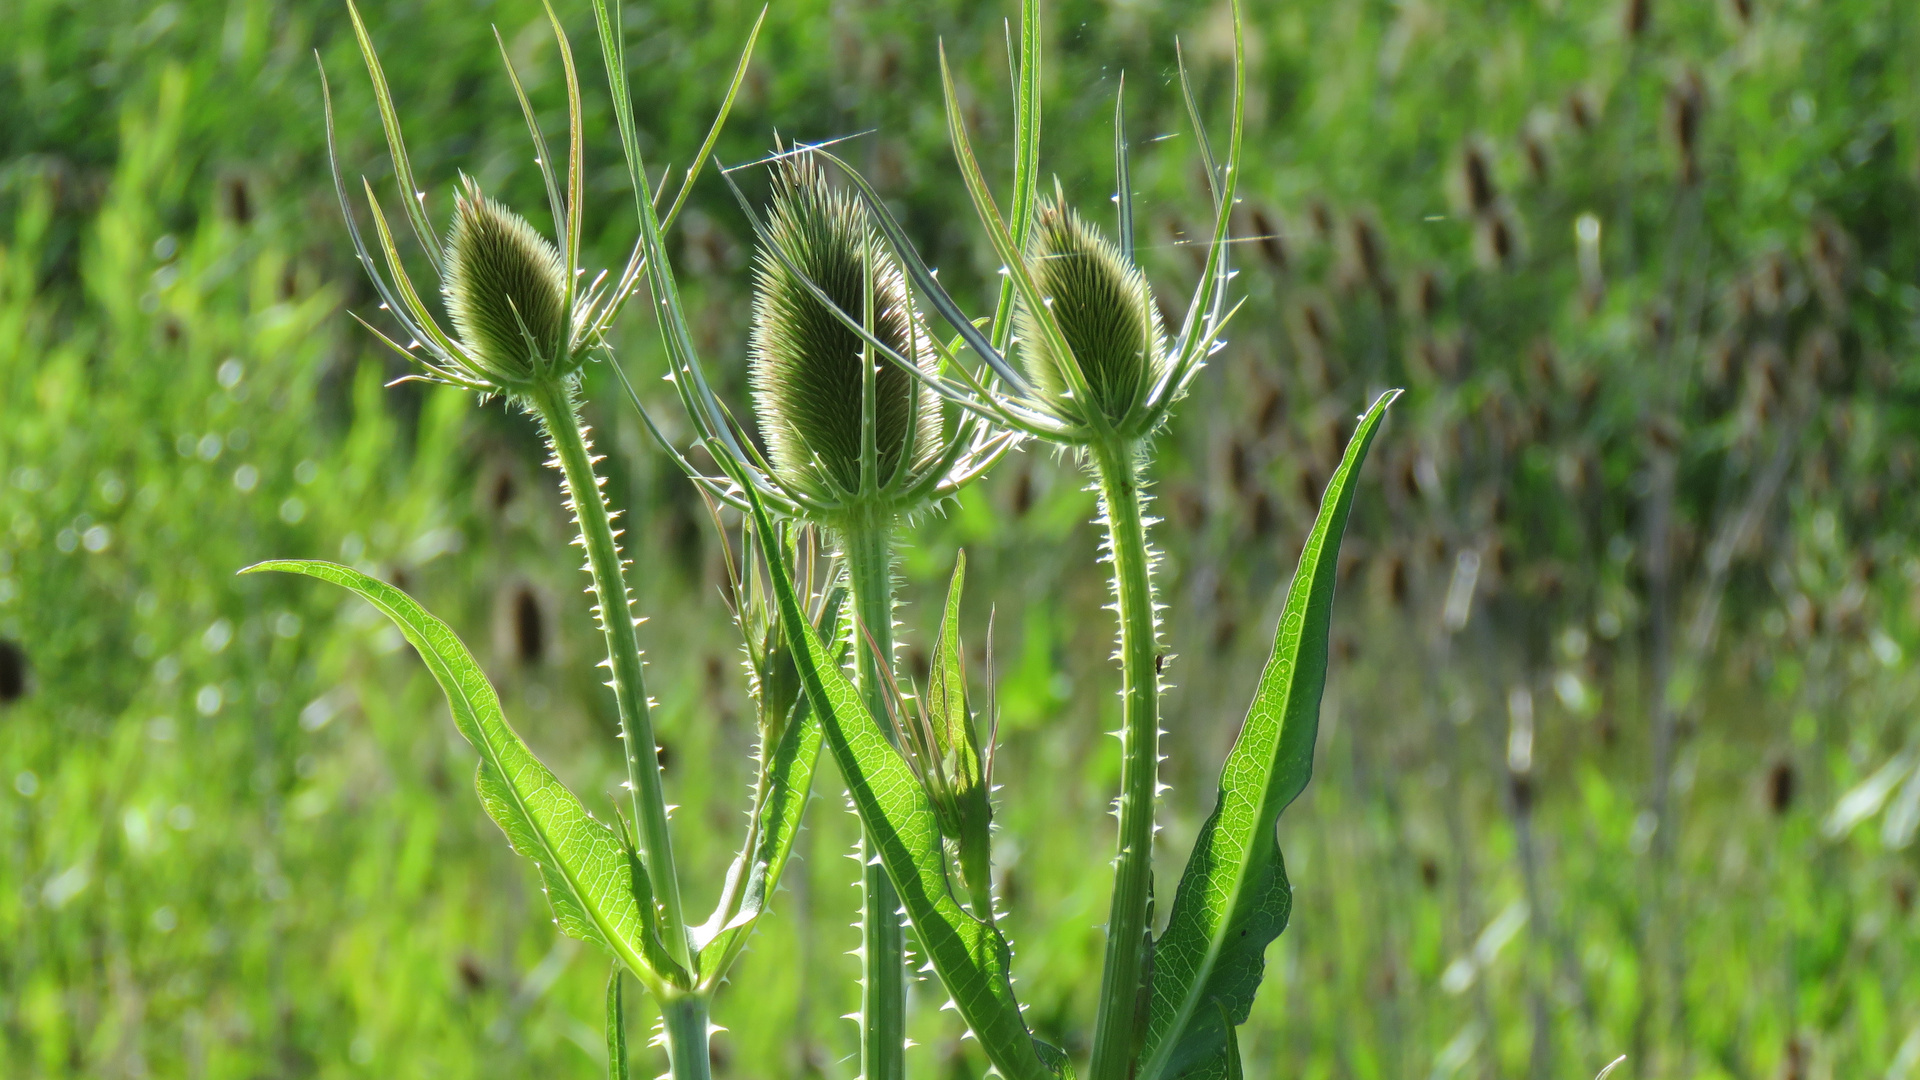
x: 1116, y: 464
x: 883, y: 987
x: 687, y: 1030
x: 559, y: 415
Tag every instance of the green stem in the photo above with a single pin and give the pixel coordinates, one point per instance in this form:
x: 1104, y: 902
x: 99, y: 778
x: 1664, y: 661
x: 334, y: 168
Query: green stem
x: 685, y: 1021
x: 1115, y: 1027
x: 883, y: 989
x: 568, y: 436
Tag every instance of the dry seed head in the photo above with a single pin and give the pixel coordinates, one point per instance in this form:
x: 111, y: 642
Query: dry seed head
x: 1365, y: 258
x: 1271, y: 239
x: 1533, y: 144
x: 1582, y: 111
x: 1105, y: 313
x: 1636, y: 17
x: 1496, y: 241
x: 506, y: 294
x: 805, y: 363
x: 1686, y: 101
x: 1427, y: 296
x: 1477, y: 185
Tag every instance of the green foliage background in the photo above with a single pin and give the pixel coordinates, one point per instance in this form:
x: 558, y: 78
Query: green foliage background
x: 236, y: 833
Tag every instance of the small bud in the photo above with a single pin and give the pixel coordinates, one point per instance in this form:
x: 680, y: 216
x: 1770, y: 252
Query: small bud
x: 939, y: 742
x: 506, y: 294
x: 1105, y: 313
x: 805, y: 362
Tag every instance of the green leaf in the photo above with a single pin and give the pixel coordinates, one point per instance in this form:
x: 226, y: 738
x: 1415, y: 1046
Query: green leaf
x: 946, y: 702
x: 1233, y: 898
x: 965, y: 808
x: 616, y: 1028
x: 790, y: 782
x: 971, y: 957
x: 595, y: 883
x: 775, y: 825
x: 1234, y: 1068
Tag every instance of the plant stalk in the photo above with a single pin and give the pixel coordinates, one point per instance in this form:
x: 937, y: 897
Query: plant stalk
x: 883, y: 986
x: 687, y: 1031
x: 1116, y: 1025
x: 559, y: 414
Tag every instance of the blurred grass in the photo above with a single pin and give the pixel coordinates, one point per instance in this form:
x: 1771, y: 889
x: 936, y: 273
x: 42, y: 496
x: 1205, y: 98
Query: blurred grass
x: 239, y: 836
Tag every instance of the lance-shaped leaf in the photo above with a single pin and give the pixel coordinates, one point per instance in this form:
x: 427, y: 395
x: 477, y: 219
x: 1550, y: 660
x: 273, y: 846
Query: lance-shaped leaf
x: 943, y: 750
x: 616, y: 1028
x: 971, y: 957
x: 1233, y: 898
x: 596, y: 885
x: 776, y: 822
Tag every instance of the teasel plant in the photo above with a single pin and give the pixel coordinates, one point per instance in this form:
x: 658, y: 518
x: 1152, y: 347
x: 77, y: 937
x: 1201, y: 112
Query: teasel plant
x: 855, y: 446
x: 1075, y: 355
x: 523, y: 327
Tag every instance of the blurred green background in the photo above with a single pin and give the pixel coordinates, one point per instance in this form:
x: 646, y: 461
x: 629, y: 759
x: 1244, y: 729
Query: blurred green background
x: 1618, y: 754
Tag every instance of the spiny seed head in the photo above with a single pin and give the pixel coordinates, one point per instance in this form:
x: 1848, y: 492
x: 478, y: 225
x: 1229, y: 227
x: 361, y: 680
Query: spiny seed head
x: 506, y: 294
x: 805, y: 364
x: 1105, y: 313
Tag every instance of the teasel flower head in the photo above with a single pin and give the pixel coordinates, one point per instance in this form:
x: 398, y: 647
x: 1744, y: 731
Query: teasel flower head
x: 506, y: 293
x: 842, y: 368
x: 1093, y: 366
x: 521, y: 321
x: 817, y: 386
x: 1109, y: 332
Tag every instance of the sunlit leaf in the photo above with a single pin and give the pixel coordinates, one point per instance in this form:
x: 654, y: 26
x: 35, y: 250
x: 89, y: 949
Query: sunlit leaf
x: 596, y: 886
x: 776, y: 823
x: 1233, y: 898
x: 971, y: 957
x: 616, y: 1028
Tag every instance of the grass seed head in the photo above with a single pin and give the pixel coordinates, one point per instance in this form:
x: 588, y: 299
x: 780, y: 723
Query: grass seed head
x: 1105, y: 313
x: 805, y: 363
x: 506, y: 294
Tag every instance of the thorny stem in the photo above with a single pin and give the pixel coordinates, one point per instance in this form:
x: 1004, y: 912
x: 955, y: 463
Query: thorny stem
x: 559, y: 415
x: 883, y: 987
x: 1115, y: 1032
x: 687, y: 1029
